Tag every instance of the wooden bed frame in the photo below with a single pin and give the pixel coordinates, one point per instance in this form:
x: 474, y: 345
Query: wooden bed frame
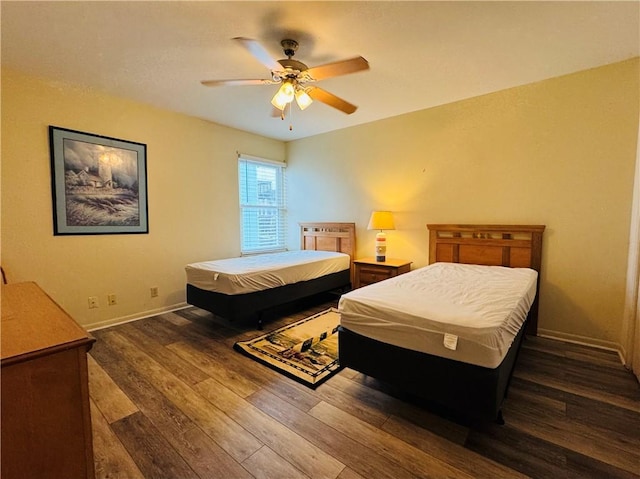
x: 339, y: 237
x: 465, y: 390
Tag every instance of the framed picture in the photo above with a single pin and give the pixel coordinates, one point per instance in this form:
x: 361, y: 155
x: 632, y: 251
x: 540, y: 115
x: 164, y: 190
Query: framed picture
x: 99, y: 184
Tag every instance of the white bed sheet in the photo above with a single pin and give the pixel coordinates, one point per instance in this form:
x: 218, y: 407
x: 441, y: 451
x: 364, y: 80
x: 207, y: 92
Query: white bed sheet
x: 468, y: 313
x: 248, y: 274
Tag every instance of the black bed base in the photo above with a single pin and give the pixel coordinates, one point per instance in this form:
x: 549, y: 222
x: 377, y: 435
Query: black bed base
x: 464, y: 390
x: 243, y: 306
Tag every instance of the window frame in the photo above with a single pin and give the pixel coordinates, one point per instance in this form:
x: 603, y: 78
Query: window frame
x: 253, y: 245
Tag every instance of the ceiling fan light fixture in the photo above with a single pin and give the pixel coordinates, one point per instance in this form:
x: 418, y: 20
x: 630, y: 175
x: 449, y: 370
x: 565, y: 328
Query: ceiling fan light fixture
x: 284, y: 95
x: 302, y: 98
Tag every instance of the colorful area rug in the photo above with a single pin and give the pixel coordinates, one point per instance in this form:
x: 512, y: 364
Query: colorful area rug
x: 306, y: 351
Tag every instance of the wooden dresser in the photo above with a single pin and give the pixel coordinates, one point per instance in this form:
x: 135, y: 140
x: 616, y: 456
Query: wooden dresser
x: 46, y: 421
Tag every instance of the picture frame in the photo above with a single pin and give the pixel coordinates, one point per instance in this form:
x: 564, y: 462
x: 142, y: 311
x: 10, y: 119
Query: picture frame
x: 99, y: 184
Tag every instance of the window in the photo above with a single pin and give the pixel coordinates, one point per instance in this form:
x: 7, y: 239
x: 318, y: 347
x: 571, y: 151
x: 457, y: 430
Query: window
x: 262, y: 205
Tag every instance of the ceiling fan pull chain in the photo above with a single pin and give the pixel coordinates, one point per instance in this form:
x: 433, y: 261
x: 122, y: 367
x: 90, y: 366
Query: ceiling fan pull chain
x: 291, y: 116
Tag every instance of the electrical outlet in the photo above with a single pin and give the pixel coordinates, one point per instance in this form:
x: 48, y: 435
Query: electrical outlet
x: 93, y: 302
x: 154, y: 291
x: 112, y: 299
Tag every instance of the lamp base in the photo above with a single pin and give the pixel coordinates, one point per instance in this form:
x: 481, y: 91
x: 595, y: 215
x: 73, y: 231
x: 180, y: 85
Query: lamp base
x: 381, y: 247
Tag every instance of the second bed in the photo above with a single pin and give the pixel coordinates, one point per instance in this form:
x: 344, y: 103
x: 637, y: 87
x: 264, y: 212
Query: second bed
x: 450, y: 332
x: 243, y: 287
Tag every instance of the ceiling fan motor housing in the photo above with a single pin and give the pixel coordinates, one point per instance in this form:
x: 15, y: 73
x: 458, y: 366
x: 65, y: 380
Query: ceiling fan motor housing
x: 289, y: 46
x: 294, y: 65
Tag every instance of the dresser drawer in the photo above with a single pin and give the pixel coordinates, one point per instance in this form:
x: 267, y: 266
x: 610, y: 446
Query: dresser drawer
x: 369, y: 271
x: 373, y: 275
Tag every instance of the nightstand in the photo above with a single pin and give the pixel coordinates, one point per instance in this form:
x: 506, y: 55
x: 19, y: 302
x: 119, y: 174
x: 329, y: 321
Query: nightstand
x: 368, y: 270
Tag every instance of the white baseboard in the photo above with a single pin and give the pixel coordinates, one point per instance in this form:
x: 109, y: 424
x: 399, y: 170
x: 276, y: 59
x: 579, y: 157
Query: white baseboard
x: 134, y: 317
x: 582, y: 340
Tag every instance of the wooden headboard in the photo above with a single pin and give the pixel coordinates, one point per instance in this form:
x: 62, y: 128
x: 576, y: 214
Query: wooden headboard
x: 340, y: 237
x: 515, y: 246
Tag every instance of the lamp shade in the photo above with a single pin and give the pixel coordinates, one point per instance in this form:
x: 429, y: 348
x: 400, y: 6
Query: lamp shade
x: 302, y: 98
x: 381, y: 220
x: 284, y: 95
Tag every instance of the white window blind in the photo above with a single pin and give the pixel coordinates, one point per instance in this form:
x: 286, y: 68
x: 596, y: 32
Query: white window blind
x: 262, y: 205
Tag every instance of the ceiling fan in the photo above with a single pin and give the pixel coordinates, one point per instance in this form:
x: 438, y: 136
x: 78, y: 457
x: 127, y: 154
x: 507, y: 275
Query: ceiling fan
x: 295, y: 78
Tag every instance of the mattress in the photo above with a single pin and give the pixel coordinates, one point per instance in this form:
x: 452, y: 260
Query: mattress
x: 468, y: 313
x: 248, y: 274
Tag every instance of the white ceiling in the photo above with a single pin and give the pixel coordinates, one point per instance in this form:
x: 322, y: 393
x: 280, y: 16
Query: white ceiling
x: 421, y: 54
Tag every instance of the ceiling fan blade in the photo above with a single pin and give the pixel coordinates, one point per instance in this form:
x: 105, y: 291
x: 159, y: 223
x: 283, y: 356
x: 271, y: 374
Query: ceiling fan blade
x: 330, y: 99
x: 236, y: 82
x: 334, y: 69
x: 259, y: 52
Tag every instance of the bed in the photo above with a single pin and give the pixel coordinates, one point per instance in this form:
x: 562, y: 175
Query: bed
x: 460, y: 368
x: 279, y: 282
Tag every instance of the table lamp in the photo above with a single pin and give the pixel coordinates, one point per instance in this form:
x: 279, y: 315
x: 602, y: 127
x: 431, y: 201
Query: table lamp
x: 381, y: 220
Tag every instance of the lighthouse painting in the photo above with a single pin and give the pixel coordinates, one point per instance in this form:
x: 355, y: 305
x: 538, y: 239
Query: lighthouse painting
x: 99, y: 184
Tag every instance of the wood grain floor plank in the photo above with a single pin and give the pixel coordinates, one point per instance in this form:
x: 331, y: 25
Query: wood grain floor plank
x: 101, y: 350
x: 106, y: 395
x: 539, y: 457
x: 175, y: 319
x: 387, y: 405
x: 216, y: 369
x: 546, y: 403
x: 150, y: 450
x: 191, y: 313
x: 205, y: 457
x: 209, y: 324
x: 588, y: 467
x: 398, y: 404
x: 293, y: 392
x: 167, y: 358
x: 549, y: 380
x: 417, y: 461
x: 266, y: 464
x: 520, y: 451
x: 111, y: 459
x: 547, y: 424
x: 305, y: 456
x: 203, y: 454
x: 157, y: 328
x: 218, y: 354
x: 349, y: 474
x: 598, y: 377
x: 202, y: 328
x: 590, y: 412
x: 557, y: 380
x: 585, y: 372
x: 584, y: 354
x: 232, y: 437
x: 356, y: 456
x: 350, y: 403
x: 458, y: 456
x: 618, y: 421
x: 226, y: 399
x: 348, y: 373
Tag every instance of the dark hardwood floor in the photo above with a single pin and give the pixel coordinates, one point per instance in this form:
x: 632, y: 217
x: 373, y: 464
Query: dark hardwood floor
x: 171, y: 399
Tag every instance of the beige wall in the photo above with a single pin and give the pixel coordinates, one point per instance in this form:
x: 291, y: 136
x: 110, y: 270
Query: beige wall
x: 193, y: 199
x: 559, y: 152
